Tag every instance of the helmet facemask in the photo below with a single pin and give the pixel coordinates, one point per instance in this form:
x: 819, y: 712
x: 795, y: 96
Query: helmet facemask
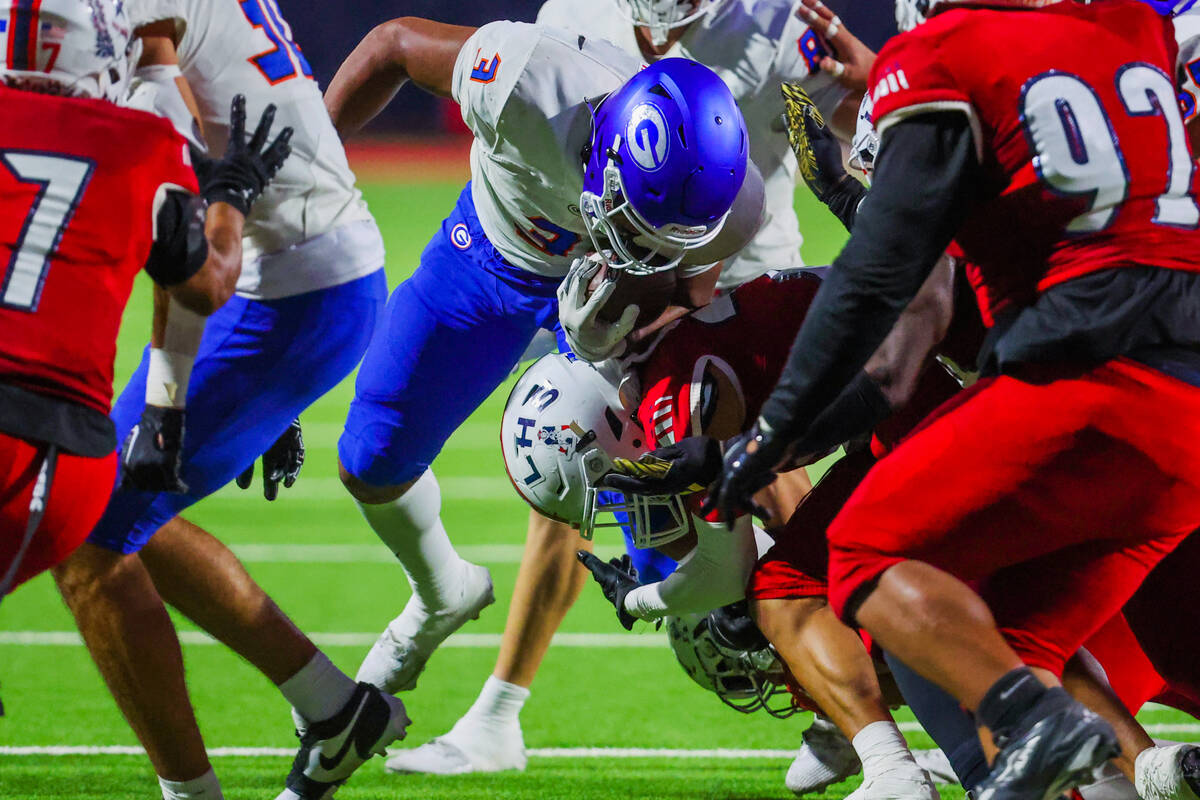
x: 651, y: 521
x: 746, y: 680
x: 661, y: 16
x: 624, y: 239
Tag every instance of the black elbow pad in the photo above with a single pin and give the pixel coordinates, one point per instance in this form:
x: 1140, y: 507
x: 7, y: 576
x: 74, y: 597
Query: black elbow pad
x: 180, y: 247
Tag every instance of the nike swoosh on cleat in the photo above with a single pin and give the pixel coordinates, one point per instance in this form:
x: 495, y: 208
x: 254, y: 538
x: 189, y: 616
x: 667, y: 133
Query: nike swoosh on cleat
x: 329, y: 763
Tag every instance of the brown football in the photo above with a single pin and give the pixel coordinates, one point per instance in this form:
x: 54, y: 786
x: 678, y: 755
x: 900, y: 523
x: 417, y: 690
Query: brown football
x: 650, y: 293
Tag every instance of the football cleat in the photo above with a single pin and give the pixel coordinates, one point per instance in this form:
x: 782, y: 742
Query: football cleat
x: 827, y: 757
x: 1168, y: 773
x: 908, y: 783
x: 466, y: 748
x: 1054, y: 747
x: 401, y: 651
x: 937, y: 765
x: 330, y: 750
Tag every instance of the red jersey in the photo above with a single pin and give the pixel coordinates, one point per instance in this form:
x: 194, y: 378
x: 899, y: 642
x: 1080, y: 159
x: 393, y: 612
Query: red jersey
x: 80, y: 182
x: 1078, y: 131
x: 713, y: 371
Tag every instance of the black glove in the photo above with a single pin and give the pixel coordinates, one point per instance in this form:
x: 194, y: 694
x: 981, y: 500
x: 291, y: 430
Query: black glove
x: 617, y: 578
x: 818, y: 153
x: 683, y: 468
x: 750, y: 460
x: 240, y: 176
x: 152, y: 453
x: 281, y: 462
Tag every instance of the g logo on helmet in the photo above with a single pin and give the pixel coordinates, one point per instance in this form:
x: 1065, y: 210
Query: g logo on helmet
x: 647, y: 137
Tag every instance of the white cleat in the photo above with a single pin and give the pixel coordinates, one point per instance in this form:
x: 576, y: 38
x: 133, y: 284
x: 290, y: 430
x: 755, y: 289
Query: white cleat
x: 907, y: 784
x: 937, y: 765
x: 400, y: 652
x: 461, y: 751
x: 827, y: 757
x: 1168, y: 773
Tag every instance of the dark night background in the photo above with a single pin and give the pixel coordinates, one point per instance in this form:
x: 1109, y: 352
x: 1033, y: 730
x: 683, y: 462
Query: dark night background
x: 329, y: 31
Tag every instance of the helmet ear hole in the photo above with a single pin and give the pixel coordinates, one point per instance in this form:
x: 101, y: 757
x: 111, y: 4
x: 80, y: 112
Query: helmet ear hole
x: 614, y: 424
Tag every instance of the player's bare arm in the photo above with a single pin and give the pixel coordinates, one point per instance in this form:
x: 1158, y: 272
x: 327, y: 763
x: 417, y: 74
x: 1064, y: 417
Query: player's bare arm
x: 159, y: 42
x: 402, y: 49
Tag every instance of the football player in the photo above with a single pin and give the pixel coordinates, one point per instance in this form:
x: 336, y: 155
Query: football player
x: 753, y: 45
x: 577, y: 151
x: 92, y: 193
x: 709, y: 373
x: 311, y: 288
x: 1087, y: 294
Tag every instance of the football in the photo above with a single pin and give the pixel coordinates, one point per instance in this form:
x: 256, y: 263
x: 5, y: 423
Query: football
x: 650, y: 293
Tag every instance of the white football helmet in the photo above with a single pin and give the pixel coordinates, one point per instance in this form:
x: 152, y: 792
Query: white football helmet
x: 79, y: 48
x: 562, y: 426
x: 660, y: 16
x: 865, y: 144
x: 724, y: 652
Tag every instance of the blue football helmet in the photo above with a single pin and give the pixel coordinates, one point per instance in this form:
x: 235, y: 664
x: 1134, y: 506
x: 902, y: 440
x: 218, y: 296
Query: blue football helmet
x: 666, y: 161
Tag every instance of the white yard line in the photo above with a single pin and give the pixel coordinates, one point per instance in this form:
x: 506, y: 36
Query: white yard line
x: 376, y: 553
x: 457, y: 489
x: 463, y: 640
x: 545, y: 752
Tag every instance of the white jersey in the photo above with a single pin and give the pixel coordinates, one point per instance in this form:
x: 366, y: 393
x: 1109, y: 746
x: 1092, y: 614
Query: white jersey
x: 1187, y: 34
x: 754, y: 45
x: 311, y: 228
x: 522, y: 90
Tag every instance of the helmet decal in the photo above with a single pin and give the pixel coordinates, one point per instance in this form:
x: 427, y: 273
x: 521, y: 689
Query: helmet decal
x: 648, y: 138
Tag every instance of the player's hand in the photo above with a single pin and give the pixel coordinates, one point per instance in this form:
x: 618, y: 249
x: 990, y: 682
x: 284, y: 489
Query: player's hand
x: 241, y: 175
x: 281, y: 463
x: 749, y: 465
x: 852, y: 60
x: 818, y: 152
x: 589, y: 337
x: 617, y: 578
x: 153, y: 451
x: 683, y: 468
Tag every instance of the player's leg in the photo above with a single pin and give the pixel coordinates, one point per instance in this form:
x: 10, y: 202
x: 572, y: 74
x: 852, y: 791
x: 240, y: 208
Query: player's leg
x: 962, y: 759
x: 260, y: 364
x: 76, y: 489
x: 830, y: 662
x: 488, y: 737
x: 1007, y: 472
x: 452, y: 333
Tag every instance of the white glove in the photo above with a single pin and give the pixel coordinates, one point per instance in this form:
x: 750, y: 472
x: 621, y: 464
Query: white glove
x: 591, y: 338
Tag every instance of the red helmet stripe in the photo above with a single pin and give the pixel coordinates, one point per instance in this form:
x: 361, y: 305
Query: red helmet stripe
x: 23, y: 35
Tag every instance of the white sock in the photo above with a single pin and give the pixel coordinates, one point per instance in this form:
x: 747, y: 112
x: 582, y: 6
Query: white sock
x: 498, y: 705
x: 206, y: 787
x: 881, y: 748
x: 319, y: 690
x: 411, y: 527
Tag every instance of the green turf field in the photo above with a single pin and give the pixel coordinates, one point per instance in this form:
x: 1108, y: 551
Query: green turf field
x: 317, y: 558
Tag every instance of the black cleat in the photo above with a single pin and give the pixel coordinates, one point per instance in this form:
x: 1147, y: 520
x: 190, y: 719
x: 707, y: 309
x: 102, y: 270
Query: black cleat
x: 1054, y: 747
x: 330, y: 750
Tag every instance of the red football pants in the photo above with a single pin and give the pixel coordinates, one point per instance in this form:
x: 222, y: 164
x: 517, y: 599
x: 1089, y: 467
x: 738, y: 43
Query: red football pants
x: 1062, y: 491
x: 79, y: 491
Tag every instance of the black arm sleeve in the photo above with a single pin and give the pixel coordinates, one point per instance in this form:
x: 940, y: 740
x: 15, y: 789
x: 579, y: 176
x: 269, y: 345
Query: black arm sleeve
x: 856, y: 411
x: 843, y: 200
x: 180, y: 247
x: 923, y: 190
